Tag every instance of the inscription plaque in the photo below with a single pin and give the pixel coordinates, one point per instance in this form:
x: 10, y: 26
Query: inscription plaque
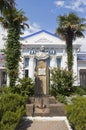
x: 41, y: 71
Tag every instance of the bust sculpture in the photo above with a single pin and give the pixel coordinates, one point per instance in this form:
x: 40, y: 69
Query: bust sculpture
x: 42, y: 55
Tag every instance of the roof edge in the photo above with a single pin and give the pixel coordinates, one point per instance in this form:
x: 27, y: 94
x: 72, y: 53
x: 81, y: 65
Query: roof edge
x: 41, y: 31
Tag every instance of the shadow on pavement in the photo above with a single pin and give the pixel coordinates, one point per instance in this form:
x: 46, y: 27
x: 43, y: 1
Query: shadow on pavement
x: 24, y: 125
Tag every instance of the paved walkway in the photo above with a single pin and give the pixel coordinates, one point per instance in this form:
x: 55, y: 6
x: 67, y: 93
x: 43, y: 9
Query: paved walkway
x: 48, y: 125
x: 43, y: 125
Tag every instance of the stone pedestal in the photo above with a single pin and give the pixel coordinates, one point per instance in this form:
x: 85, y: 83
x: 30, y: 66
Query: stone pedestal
x: 44, y: 106
x: 41, y: 79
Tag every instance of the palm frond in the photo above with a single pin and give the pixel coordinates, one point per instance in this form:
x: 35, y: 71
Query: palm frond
x: 4, y: 22
x: 6, y: 5
x: 71, y: 20
x: 19, y: 16
x: 79, y: 34
x: 60, y: 32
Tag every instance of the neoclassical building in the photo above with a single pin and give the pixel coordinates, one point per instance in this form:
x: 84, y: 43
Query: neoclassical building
x: 57, y: 56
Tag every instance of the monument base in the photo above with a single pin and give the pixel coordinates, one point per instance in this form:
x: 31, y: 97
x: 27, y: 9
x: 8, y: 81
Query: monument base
x: 44, y: 106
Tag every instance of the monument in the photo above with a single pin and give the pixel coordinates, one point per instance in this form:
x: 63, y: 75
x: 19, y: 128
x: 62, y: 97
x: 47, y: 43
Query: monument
x: 41, y: 73
x: 42, y: 104
x: 41, y: 82
x: 42, y: 55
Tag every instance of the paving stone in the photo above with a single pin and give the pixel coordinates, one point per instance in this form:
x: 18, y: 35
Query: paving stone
x: 43, y: 125
x: 48, y: 125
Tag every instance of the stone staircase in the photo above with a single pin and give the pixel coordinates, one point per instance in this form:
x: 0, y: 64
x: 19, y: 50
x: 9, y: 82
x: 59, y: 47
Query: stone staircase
x: 44, y: 106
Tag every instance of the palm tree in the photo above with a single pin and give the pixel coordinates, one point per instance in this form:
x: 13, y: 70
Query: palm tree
x: 14, y: 22
x: 70, y: 26
x: 6, y: 4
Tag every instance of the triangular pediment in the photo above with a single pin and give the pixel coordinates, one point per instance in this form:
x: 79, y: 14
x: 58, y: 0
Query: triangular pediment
x: 42, y: 37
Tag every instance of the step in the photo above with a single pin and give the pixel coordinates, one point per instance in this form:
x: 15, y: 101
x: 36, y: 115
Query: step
x: 29, y: 109
x: 57, y: 109
x: 42, y: 112
x: 52, y: 100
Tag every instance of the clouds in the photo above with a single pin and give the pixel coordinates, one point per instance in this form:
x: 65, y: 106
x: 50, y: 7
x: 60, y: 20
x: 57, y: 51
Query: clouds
x: 59, y: 3
x: 34, y: 27
x: 78, y: 5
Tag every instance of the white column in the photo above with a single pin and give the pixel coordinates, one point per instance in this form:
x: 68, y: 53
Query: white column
x: 8, y: 80
x: 53, y: 62
x: 64, y: 60
x: 31, y: 67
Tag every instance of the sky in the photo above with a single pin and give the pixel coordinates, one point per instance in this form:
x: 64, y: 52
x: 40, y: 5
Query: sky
x: 42, y: 14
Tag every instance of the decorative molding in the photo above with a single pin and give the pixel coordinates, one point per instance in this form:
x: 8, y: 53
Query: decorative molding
x: 43, y: 40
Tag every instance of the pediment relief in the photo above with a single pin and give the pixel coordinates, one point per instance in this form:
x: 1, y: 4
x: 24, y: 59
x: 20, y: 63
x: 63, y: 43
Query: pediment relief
x: 43, y: 40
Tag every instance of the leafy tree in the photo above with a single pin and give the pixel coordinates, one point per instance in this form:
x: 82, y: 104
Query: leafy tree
x: 13, y: 20
x: 70, y: 26
x: 61, y: 80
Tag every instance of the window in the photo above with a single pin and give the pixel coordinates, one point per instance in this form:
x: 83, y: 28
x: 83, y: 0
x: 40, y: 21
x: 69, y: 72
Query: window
x: 3, y: 78
x: 26, y: 62
x: 52, y: 51
x: 83, y: 77
x: 26, y: 73
x: 58, y: 62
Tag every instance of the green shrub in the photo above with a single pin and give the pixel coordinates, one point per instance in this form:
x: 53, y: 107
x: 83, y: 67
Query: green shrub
x: 12, y: 108
x: 11, y: 102
x: 80, y: 90
x: 10, y: 120
x: 25, y: 87
x: 61, y: 98
x: 4, y: 90
x: 76, y: 113
x: 62, y: 80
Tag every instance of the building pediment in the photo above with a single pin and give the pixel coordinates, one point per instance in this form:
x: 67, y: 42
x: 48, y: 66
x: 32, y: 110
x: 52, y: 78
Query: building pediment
x: 42, y: 37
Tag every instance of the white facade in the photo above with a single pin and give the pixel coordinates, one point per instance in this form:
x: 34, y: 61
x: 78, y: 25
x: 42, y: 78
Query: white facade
x: 53, y: 45
x: 57, y: 54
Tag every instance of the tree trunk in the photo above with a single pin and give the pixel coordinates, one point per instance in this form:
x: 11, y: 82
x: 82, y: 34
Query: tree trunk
x: 69, y: 47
